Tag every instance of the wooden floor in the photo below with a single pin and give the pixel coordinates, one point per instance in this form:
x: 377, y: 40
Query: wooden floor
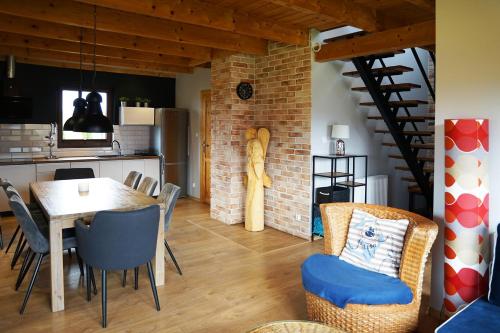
x: 233, y: 280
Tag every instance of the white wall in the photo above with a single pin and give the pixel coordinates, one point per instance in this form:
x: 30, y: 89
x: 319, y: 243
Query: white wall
x: 468, y: 86
x: 335, y: 102
x: 188, y: 88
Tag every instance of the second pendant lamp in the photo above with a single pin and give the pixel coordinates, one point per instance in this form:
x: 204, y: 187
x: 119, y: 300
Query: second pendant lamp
x: 93, y: 121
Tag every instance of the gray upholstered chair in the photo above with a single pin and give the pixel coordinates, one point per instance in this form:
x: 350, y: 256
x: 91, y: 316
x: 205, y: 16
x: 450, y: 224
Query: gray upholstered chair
x: 118, y: 241
x: 169, y: 195
x: 148, y: 186
x: 74, y: 173
x: 38, y: 241
x: 133, y: 179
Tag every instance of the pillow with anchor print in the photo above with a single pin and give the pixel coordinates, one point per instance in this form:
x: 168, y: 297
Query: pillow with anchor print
x: 374, y: 244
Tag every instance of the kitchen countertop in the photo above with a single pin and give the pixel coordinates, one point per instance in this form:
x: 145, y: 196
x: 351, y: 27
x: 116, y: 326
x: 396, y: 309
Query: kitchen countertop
x: 18, y: 161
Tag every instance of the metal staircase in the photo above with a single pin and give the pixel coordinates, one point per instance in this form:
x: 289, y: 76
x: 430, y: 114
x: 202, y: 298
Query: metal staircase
x: 396, y: 112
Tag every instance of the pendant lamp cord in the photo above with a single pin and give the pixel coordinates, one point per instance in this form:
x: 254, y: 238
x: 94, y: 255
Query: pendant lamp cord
x: 81, y: 60
x: 95, y: 43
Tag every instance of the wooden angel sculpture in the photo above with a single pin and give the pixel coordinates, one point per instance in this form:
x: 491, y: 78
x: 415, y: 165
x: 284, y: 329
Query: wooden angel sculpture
x: 256, y: 178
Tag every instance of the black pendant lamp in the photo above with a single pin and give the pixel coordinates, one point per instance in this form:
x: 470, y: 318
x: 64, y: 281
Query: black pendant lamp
x: 94, y: 121
x: 79, y: 103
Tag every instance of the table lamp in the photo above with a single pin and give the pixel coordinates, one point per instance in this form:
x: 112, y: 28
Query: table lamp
x: 340, y: 132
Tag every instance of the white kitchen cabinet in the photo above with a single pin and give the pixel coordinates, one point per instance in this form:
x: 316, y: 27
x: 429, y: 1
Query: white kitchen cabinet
x: 111, y: 169
x: 94, y: 165
x: 45, y: 171
x: 132, y: 165
x: 20, y: 176
x: 152, y: 169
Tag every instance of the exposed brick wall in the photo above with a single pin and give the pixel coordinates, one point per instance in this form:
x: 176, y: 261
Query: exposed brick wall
x: 281, y: 103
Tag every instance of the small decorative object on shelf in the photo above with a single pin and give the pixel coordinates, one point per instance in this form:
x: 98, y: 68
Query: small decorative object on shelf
x: 244, y: 90
x: 340, y: 132
x: 146, y: 102
x: 123, y: 101
x: 138, y: 101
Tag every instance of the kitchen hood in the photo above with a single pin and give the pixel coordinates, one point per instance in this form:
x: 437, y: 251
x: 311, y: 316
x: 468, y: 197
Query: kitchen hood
x: 13, y: 106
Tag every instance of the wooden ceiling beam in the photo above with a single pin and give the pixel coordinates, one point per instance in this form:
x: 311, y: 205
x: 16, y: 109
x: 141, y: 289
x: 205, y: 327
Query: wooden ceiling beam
x: 344, y: 12
x: 210, y: 16
x: 44, y: 29
x: 74, y: 48
x: 99, y: 68
x: 416, y: 35
x: 81, y: 15
x: 428, y: 5
x: 88, y: 60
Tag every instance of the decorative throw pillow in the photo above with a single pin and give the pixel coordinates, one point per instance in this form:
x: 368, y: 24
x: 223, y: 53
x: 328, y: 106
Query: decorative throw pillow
x: 494, y: 292
x: 375, y: 244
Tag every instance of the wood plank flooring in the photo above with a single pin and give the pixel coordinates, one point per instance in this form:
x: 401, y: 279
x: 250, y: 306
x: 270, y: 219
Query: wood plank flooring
x: 233, y: 280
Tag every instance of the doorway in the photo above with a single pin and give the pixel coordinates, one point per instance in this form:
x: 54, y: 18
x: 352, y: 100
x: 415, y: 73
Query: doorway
x: 206, y: 142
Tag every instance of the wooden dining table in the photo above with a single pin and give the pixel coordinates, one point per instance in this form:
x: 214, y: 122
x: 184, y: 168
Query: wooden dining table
x: 62, y: 204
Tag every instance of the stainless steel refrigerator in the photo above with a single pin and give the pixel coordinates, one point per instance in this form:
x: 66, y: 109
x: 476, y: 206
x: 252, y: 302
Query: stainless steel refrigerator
x: 170, y: 141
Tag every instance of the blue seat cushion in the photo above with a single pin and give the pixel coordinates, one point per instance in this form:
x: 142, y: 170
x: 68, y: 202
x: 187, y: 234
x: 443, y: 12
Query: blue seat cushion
x: 479, y: 316
x: 494, y: 292
x: 340, y: 283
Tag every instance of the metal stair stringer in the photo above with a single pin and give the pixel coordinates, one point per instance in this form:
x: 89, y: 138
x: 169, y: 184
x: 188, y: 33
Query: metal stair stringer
x: 403, y: 142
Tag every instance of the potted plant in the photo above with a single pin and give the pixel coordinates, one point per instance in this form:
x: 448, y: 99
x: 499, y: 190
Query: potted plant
x: 146, y: 102
x: 138, y: 101
x: 123, y: 101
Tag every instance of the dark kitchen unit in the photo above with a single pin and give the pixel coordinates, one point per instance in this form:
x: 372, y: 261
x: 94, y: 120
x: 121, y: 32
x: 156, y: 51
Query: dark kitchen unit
x: 170, y: 141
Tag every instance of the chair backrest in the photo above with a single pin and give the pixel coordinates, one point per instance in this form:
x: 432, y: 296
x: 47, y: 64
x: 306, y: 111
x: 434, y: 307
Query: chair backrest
x: 169, y: 195
x: 133, y: 179
x: 36, y: 240
x: 10, y: 191
x: 148, y: 186
x: 4, y: 183
x: 74, y: 173
x: 119, y: 240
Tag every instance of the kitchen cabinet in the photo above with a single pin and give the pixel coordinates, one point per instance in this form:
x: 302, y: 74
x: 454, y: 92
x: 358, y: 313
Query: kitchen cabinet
x: 132, y: 165
x: 94, y: 165
x: 152, y: 169
x: 46, y: 171
x: 111, y: 169
x: 20, y: 176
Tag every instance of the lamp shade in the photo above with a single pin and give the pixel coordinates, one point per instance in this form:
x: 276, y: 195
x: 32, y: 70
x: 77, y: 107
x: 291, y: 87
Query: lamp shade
x: 340, y: 131
x: 93, y: 121
x: 80, y: 109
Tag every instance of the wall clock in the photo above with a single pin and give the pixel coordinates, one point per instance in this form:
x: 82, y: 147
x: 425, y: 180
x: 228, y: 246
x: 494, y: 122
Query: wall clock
x: 244, y: 90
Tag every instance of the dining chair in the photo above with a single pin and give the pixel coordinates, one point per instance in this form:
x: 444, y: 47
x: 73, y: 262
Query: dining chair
x: 148, y: 186
x: 74, y: 173
x: 133, y: 179
x: 38, y: 242
x: 169, y: 195
x: 119, y: 240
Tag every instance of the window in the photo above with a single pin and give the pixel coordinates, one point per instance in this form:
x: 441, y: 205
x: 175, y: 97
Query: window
x: 70, y: 139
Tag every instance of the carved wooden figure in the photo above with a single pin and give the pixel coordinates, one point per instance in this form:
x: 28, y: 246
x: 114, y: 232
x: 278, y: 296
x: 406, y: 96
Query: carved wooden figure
x: 256, y: 178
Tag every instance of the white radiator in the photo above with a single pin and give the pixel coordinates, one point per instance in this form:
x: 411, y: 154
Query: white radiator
x: 376, y: 186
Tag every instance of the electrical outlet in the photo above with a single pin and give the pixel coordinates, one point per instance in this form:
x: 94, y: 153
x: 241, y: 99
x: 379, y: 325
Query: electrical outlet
x: 298, y: 217
x: 194, y: 185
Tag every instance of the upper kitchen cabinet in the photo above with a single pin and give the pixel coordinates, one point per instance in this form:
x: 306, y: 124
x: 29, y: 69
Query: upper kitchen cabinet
x: 137, y: 116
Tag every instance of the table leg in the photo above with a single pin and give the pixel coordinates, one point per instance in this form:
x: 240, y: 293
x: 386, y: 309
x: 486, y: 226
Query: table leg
x: 160, y: 252
x: 56, y: 266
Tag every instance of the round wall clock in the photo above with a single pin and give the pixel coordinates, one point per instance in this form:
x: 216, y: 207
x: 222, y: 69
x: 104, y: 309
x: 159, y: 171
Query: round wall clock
x: 244, y: 90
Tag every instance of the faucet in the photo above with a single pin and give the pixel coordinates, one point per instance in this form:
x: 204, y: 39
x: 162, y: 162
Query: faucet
x: 119, y: 146
x: 51, y: 139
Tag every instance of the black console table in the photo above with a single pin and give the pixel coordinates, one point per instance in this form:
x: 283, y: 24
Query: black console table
x: 346, y: 177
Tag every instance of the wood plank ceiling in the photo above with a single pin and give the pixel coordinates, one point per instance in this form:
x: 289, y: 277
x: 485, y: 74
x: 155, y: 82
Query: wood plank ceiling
x: 163, y: 37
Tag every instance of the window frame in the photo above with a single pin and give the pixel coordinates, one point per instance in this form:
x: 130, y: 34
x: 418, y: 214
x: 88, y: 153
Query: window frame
x: 93, y: 143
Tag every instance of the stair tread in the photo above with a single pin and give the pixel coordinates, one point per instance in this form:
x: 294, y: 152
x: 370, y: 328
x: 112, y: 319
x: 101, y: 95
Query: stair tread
x: 420, y: 158
x: 413, y: 145
x: 392, y: 87
x: 407, y: 118
x: 415, y: 133
x: 412, y: 179
x: 407, y: 103
x: 389, y: 70
x: 427, y: 169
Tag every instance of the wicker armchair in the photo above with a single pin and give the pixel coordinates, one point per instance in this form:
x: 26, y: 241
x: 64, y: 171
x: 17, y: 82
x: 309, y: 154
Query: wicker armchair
x: 375, y: 318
